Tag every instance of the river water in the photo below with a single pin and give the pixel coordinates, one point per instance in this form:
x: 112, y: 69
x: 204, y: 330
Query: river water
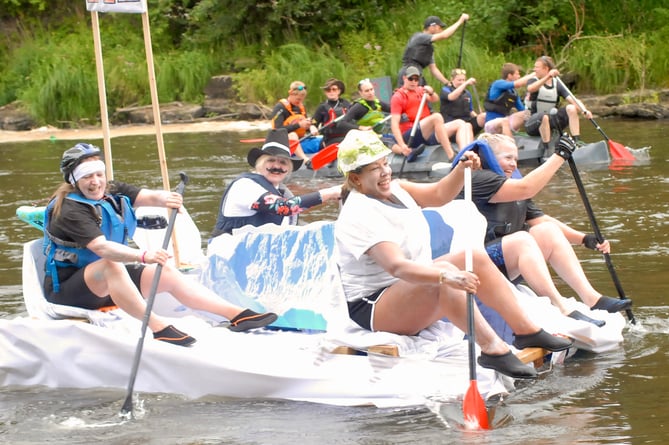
x: 615, y: 398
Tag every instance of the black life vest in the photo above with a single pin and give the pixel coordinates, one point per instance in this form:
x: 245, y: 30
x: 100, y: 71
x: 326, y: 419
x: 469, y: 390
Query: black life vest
x: 503, y: 104
x: 225, y: 224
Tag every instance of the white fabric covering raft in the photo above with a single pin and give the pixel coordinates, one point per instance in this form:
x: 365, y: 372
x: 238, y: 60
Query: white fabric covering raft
x: 290, y: 271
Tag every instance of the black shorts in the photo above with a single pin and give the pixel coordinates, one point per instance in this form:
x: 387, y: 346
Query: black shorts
x: 362, y: 311
x: 558, y: 121
x: 75, y: 292
x: 476, y: 128
x: 418, y: 138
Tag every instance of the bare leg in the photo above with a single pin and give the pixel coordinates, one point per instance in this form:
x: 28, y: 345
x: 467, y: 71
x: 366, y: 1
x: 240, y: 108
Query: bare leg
x: 574, y: 124
x: 406, y: 308
x: 517, y: 121
x: 495, y: 292
x: 293, y: 139
x: 464, y: 134
x: 111, y: 278
x: 480, y: 119
x: 545, y: 129
x: 523, y: 257
x: 506, y: 127
x: 434, y: 124
x: 559, y: 253
x: 189, y: 292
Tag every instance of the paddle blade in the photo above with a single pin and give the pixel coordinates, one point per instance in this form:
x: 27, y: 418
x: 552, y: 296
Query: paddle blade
x: 473, y: 407
x: 325, y: 156
x: 620, y: 152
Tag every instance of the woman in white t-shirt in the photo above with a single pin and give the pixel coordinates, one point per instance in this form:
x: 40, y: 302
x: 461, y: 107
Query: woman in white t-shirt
x: 389, y: 278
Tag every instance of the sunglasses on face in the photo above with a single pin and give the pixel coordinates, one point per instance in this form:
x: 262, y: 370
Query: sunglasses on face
x: 332, y: 89
x: 414, y: 78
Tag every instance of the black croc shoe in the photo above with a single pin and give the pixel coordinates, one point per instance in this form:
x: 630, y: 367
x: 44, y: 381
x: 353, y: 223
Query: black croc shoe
x: 612, y: 305
x: 576, y: 315
x: 415, y: 152
x: 507, y: 364
x: 248, y: 319
x: 542, y: 339
x: 174, y: 336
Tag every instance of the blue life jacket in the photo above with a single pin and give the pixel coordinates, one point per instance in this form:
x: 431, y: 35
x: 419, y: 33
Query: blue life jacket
x: 225, y: 224
x: 117, y: 222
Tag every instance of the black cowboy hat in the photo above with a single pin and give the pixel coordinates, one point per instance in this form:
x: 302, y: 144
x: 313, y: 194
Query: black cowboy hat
x: 276, y: 144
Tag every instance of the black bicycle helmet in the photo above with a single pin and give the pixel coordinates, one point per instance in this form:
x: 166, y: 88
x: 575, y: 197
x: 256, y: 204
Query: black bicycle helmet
x: 73, y: 157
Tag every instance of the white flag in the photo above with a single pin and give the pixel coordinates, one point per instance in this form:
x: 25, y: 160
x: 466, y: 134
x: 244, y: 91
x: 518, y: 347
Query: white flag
x: 131, y: 6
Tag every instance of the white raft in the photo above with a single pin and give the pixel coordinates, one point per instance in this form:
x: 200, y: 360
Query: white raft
x: 289, y: 271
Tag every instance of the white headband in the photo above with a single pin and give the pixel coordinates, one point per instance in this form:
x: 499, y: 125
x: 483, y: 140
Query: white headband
x: 86, y: 168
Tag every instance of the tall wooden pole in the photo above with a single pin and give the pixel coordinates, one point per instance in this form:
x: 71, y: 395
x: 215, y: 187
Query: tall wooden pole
x: 102, y: 93
x: 156, y: 119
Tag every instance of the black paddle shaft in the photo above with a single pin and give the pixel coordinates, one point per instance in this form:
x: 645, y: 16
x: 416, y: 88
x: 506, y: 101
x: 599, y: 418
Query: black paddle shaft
x: 471, y: 336
x: 580, y: 106
x: 127, y: 404
x: 462, y: 43
x: 598, y: 235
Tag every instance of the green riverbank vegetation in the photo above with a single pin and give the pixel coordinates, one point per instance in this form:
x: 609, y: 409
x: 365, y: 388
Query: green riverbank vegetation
x: 47, y: 59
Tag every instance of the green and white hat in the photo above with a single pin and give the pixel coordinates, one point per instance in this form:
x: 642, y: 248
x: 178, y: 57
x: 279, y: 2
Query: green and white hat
x: 360, y: 148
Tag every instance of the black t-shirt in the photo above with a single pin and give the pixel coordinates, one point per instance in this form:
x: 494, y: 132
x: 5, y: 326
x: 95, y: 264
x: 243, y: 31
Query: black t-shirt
x: 485, y: 183
x: 78, y: 223
x: 419, y: 51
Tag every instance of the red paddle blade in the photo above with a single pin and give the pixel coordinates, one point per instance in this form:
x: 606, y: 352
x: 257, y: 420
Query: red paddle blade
x: 293, y: 145
x: 473, y: 407
x: 619, y: 151
x: 325, y: 156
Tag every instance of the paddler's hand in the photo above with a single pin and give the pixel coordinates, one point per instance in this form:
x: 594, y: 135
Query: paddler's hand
x: 172, y: 200
x: 565, y: 147
x: 156, y: 257
x: 470, y: 159
x: 590, y: 241
x: 330, y: 193
x: 460, y: 279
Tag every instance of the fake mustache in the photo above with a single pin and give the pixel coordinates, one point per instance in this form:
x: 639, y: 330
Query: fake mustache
x: 277, y: 170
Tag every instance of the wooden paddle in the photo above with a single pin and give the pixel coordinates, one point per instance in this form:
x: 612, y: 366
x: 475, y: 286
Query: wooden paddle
x: 329, y: 153
x: 126, y: 409
x: 473, y: 406
x: 618, y: 151
x: 413, y: 131
x: 598, y: 235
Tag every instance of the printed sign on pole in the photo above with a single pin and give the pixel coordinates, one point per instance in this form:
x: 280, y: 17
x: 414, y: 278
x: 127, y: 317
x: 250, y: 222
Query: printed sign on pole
x: 131, y: 6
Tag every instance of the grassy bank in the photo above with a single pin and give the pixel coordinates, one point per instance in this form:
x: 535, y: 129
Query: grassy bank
x: 50, y: 65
